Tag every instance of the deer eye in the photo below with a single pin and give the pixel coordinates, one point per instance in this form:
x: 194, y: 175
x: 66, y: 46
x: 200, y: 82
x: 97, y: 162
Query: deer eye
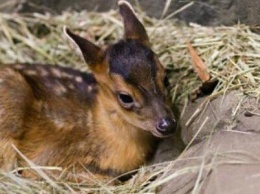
x: 125, y: 100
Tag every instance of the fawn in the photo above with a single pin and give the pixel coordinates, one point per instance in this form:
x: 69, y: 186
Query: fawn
x: 107, y: 121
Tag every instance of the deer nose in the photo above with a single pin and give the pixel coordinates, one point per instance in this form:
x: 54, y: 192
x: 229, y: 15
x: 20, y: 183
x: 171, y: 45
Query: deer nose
x: 166, y: 126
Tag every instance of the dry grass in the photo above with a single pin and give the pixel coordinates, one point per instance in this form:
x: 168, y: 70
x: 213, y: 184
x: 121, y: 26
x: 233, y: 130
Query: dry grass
x: 232, y: 55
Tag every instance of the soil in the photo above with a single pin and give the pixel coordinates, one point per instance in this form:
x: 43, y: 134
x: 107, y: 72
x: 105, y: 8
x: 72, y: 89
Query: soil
x: 224, y: 156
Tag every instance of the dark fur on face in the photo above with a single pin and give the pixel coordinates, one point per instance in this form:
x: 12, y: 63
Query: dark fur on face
x: 133, y: 61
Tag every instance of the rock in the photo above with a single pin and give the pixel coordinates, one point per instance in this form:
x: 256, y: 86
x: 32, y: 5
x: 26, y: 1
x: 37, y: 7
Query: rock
x: 226, y: 163
x: 204, y: 12
x: 223, y: 158
x: 205, y: 117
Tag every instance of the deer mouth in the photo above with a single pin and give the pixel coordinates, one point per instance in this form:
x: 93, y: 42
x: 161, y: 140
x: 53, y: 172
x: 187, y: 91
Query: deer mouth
x: 158, y: 134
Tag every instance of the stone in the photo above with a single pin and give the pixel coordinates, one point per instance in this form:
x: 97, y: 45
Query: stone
x: 203, y: 12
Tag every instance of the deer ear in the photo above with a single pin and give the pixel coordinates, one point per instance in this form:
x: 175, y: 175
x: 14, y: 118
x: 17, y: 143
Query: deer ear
x: 133, y: 27
x: 92, y: 54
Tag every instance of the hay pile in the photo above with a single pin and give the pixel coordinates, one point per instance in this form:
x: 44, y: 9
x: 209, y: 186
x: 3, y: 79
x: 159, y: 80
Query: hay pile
x: 232, y: 55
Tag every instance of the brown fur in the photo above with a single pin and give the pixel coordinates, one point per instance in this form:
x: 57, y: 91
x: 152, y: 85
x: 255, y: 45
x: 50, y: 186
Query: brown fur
x: 57, y: 116
x: 58, y: 131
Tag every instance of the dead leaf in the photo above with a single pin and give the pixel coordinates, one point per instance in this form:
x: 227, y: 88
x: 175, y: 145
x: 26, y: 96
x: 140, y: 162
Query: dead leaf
x: 198, y: 65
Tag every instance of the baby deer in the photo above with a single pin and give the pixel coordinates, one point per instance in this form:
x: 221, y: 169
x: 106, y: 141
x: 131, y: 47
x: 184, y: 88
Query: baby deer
x: 107, y: 121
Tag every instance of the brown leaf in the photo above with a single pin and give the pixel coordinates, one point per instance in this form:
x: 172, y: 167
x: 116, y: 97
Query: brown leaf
x: 198, y: 65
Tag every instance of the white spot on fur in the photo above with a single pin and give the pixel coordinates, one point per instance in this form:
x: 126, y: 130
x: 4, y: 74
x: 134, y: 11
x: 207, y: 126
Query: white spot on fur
x: 89, y: 88
x: 78, y: 79
x: 43, y: 71
x: 1, y: 81
x: 56, y: 72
